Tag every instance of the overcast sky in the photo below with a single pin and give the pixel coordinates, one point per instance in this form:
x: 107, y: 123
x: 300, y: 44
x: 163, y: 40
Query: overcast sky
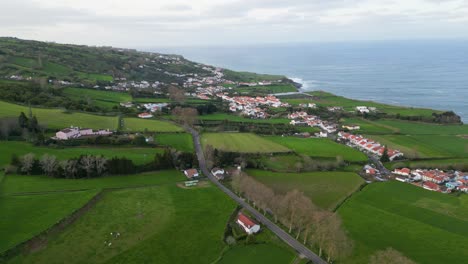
x: 160, y: 23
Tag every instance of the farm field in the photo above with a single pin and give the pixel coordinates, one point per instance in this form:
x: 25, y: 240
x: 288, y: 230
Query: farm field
x: 321, y: 148
x: 427, y: 146
x: 152, y: 223
x: 138, y: 155
x: 179, y: 141
x: 100, y: 98
x: 151, y: 125
x: 328, y: 99
x: 166, y: 100
x: 431, y: 163
x: 16, y: 223
x: 326, y: 189
x: 241, y: 142
x: 260, y: 253
x: 268, y: 89
x: 58, y: 119
x: 14, y: 184
x: 391, y: 126
x: 236, y: 118
x: 408, y: 219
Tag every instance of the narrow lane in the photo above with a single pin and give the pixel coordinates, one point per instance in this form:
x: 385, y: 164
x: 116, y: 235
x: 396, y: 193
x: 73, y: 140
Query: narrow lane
x: 283, y: 235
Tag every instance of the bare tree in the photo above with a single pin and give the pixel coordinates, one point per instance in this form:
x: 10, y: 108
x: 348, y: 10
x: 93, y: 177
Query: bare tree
x: 101, y: 165
x: 209, y: 156
x: 332, y: 237
x: 88, y: 164
x: 186, y: 116
x: 48, y: 164
x: 291, y: 202
x: 27, y: 163
x: 389, y: 256
x: 70, y: 168
x: 276, y: 206
x: 236, y: 180
x: 176, y: 94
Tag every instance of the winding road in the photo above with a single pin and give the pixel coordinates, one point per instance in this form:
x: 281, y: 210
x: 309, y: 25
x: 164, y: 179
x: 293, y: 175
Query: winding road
x: 283, y: 235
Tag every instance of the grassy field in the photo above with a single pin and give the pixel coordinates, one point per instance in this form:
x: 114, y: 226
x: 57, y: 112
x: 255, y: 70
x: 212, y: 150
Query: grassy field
x: 138, y: 155
x: 236, y: 118
x: 151, y: 125
x: 268, y: 89
x: 326, y: 189
x: 390, y: 126
x: 430, y: 163
x: 26, y: 216
x: 179, y: 141
x: 58, y: 119
x: 13, y: 184
x: 328, y: 99
x: 255, y: 254
x: 241, y: 142
x: 164, y: 224
x: 318, y: 147
x: 427, y: 146
x: 106, y: 99
x: 167, y: 100
x: 428, y: 227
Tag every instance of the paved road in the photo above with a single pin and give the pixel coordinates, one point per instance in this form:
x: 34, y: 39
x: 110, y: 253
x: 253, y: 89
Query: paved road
x: 384, y: 171
x: 300, y: 248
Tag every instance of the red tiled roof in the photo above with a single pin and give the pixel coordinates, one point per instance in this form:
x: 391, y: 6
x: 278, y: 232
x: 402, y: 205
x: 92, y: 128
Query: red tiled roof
x: 246, y: 221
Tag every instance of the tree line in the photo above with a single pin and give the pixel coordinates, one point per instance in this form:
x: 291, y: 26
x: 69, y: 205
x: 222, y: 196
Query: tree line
x: 313, y: 226
x: 84, y: 166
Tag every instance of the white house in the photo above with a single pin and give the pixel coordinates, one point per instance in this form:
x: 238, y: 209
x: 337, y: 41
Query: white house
x: 68, y: 133
x: 249, y: 226
x: 191, y: 173
x: 362, y: 109
x: 218, y: 173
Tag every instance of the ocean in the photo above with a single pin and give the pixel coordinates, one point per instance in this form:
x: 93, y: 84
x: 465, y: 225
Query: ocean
x: 431, y: 74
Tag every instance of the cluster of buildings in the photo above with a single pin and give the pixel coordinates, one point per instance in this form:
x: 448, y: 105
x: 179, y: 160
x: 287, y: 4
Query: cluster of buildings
x: 365, y: 109
x: 250, y: 106
x: 19, y: 78
x: 304, y: 119
x: 205, y: 93
x: 124, y: 85
x: 434, y: 180
x: 369, y: 145
x: 75, y: 132
x: 154, y: 107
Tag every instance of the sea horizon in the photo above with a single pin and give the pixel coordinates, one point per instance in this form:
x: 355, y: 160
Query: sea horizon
x: 413, y: 73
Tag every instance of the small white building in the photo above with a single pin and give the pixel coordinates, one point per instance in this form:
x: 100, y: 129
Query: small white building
x: 249, y: 226
x: 191, y: 173
x: 68, y: 133
x: 218, y: 173
x: 145, y: 115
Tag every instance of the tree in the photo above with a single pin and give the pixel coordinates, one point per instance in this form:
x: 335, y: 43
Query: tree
x: 48, y: 164
x: 23, y: 120
x: 385, y: 157
x: 389, y: 256
x: 70, y: 168
x: 291, y: 203
x: 209, y: 156
x: 333, y: 238
x: 88, y: 164
x: 176, y: 94
x: 236, y: 180
x: 186, y: 116
x: 27, y: 163
x: 101, y: 165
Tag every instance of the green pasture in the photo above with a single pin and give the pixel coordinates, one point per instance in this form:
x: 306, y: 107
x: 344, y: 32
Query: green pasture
x: 14, y: 184
x: 320, y: 147
x: 179, y: 141
x: 268, y: 89
x: 150, y: 125
x: 241, y: 142
x: 23, y: 217
x: 237, y: 118
x: 101, y: 98
x: 164, y: 224
x: 137, y: 155
x: 428, y: 227
x: 326, y: 189
x: 257, y: 253
x: 58, y: 119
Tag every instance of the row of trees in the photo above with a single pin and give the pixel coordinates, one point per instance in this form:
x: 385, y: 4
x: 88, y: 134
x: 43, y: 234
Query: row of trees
x: 25, y: 127
x: 316, y: 227
x: 86, y: 166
